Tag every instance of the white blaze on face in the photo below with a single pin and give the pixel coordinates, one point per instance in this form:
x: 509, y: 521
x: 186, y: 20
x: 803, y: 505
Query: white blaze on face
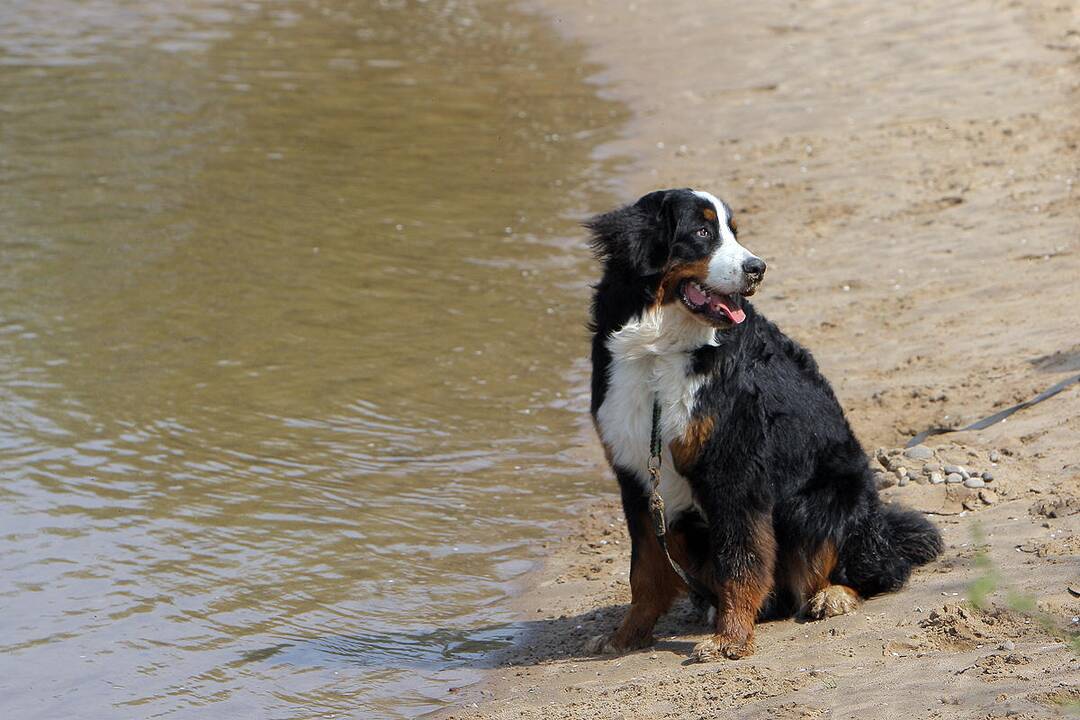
x: 726, y: 264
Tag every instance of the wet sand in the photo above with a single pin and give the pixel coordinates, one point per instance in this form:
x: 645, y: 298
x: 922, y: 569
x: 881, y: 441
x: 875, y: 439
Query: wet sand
x: 910, y: 173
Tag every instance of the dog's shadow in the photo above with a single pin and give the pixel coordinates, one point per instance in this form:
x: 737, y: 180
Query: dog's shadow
x: 565, y: 637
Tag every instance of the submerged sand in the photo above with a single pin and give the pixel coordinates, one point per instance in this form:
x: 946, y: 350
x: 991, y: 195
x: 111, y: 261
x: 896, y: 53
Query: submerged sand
x: 910, y: 172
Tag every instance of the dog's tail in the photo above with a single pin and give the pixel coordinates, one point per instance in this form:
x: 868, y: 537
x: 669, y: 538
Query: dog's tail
x: 879, y: 554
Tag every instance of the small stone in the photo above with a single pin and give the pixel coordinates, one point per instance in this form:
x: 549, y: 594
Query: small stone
x: 974, y: 482
x: 949, y: 469
x: 901, y: 472
x: 884, y: 480
x: 988, y: 496
x: 988, y: 476
x: 902, y: 481
x: 954, y: 478
x: 930, y: 468
x: 919, y: 452
x: 891, y: 462
x: 1007, y: 646
x: 936, y: 478
x: 994, y: 456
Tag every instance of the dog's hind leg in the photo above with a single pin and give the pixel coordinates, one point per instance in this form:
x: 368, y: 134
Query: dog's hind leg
x: 807, y: 576
x: 654, y: 586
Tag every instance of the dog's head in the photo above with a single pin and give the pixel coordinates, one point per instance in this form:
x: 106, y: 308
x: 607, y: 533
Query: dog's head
x: 681, y: 246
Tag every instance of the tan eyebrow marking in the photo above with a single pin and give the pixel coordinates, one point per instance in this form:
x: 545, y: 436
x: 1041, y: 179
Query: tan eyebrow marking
x: 709, y: 214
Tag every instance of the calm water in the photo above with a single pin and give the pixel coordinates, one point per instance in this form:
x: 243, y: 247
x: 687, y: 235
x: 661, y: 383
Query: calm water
x: 291, y: 346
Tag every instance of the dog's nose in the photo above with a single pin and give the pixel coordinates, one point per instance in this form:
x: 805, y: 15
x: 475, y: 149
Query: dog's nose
x: 754, y: 267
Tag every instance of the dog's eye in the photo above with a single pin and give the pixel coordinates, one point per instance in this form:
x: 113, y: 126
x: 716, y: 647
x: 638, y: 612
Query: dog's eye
x: 703, y: 232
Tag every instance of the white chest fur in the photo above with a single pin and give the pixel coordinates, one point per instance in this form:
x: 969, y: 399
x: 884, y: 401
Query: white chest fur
x: 651, y: 358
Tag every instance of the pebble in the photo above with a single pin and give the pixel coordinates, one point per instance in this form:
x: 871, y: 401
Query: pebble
x: 988, y: 476
x: 930, y: 468
x: 884, y: 480
x: 954, y: 478
x: 901, y: 472
x: 902, y: 481
x: 890, y: 463
x: 994, y: 456
x: 919, y: 452
x: 954, y: 469
x: 936, y: 478
x: 974, y: 482
x: 1008, y: 646
x: 988, y: 496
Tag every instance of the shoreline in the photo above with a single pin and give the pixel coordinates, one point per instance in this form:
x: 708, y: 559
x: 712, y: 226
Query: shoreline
x: 916, y: 184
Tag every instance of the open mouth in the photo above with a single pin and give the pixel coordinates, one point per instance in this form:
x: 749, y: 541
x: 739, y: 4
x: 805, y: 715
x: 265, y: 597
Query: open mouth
x: 717, y: 308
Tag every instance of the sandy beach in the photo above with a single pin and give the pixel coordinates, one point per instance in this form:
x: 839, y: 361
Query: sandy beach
x: 911, y: 173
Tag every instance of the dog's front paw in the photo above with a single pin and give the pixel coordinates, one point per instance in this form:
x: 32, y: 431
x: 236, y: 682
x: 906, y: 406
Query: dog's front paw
x: 718, y: 648
x: 830, y: 602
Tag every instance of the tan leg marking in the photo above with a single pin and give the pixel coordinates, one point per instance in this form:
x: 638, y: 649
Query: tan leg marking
x: 829, y: 602
x: 740, y: 600
x: 805, y: 574
x: 653, y: 586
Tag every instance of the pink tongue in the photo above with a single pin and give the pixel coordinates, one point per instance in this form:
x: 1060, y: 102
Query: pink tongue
x: 736, y: 316
x: 694, y: 295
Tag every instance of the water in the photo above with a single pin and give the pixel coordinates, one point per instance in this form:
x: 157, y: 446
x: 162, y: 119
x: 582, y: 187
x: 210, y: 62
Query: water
x: 291, y: 341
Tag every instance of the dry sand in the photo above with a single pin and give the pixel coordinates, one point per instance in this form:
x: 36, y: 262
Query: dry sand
x: 911, y: 172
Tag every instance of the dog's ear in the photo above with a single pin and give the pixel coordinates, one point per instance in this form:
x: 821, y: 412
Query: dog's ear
x: 636, y: 236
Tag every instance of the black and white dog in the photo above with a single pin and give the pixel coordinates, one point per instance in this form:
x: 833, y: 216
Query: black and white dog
x: 769, y: 498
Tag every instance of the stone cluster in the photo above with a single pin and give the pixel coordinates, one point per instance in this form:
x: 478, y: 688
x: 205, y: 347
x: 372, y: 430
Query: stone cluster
x: 921, y: 465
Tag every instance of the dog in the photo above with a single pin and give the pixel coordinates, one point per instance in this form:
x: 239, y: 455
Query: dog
x: 768, y: 497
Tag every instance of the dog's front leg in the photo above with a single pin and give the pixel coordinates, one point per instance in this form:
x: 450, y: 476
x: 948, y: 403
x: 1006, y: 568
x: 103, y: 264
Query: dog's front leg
x: 653, y: 587
x: 744, y: 554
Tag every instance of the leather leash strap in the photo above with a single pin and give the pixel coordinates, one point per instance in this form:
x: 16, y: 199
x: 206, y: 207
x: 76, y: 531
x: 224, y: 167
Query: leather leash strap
x: 656, y: 511
x: 998, y: 416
